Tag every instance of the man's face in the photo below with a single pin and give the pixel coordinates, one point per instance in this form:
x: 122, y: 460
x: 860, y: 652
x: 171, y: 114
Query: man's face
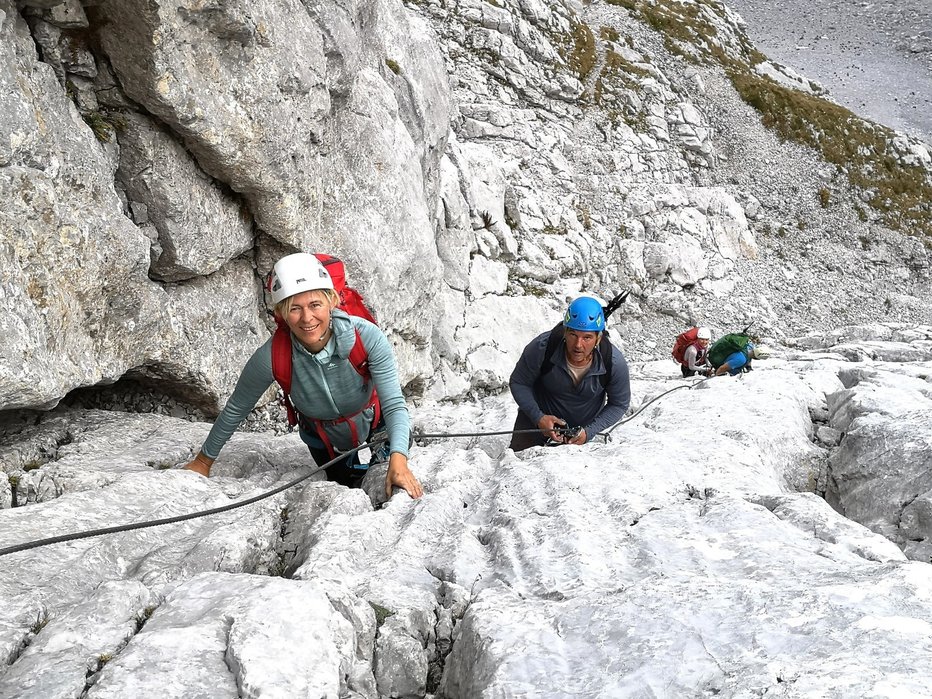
x: 579, y: 345
x: 703, y: 343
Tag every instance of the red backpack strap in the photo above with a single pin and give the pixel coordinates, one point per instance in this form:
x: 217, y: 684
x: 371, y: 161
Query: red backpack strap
x: 335, y: 268
x: 281, y: 368
x: 359, y: 358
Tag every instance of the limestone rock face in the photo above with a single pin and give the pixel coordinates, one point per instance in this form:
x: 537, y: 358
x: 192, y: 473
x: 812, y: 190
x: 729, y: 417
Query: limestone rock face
x: 78, y: 306
x: 881, y: 474
x: 196, y: 227
x: 253, y: 636
x: 449, y: 153
x: 653, y: 556
x: 329, y: 121
x: 228, y: 136
x: 613, y: 167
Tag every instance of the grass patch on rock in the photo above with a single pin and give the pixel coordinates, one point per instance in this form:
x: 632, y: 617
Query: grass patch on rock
x: 381, y: 614
x: 617, y: 71
x: 581, y: 54
x: 900, y: 193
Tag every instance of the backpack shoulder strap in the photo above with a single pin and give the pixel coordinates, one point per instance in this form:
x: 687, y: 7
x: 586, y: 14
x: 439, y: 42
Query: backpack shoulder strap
x: 554, y: 341
x: 359, y: 358
x: 281, y: 368
x: 606, y: 350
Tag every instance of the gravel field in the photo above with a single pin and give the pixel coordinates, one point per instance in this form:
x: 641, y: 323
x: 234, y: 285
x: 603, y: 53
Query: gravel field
x: 874, y: 58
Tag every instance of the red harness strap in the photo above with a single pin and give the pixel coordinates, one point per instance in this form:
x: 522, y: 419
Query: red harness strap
x: 318, y: 425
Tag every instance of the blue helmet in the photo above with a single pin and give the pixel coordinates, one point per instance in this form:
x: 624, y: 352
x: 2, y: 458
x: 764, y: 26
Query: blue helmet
x: 585, y: 314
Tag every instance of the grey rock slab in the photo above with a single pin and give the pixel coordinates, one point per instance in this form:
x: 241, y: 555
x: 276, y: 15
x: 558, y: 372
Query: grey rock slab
x: 67, y: 14
x: 230, y: 65
x: 229, y: 635
x: 656, y: 559
x: 709, y: 612
x: 80, y: 308
x: 911, y: 352
x: 74, y: 269
x: 244, y: 539
x: 297, y: 108
x: 761, y: 421
x: 882, y: 467
x: 882, y: 392
x: 492, y: 354
x: 401, y: 664
x: 828, y: 436
x: 64, y: 655
x: 813, y: 515
x: 200, y: 226
x: 60, y: 319
x: 80, y: 450
x: 217, y: 322
x: 103, y: 488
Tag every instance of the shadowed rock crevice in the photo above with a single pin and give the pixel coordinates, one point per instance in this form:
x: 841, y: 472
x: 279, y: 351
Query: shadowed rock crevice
x: 453, y: 602
x: 228, y: 655
x: 162, y: 389
x: 286, y: 546
x: 878, y: 475
x: 97, y: 664
x: 29, y: 635
x: 25, y: 447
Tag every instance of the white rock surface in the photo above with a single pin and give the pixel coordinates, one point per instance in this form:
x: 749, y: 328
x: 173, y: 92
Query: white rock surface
x: 689, y: 554
x: 251, y: 636
x: 476, y: 165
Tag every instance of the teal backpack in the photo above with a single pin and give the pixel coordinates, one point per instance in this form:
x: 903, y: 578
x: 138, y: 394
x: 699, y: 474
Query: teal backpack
x: 727, y: 345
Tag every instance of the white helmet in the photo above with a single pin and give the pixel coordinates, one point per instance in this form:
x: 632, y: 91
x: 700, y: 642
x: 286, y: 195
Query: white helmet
x: 296, y: 273
x: 761, y: 352
x: 704, y: 334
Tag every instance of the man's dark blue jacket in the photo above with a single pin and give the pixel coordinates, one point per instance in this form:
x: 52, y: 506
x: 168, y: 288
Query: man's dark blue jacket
x: 579, y: 406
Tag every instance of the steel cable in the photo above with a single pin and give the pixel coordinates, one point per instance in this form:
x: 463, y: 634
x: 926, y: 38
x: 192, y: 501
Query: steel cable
x: 26, y: 546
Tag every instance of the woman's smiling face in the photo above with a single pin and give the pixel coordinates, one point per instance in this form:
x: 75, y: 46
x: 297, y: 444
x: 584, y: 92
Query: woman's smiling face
x: 308, y: 317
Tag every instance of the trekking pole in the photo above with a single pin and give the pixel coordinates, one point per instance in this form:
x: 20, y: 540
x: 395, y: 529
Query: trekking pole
x: 615, y: 303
